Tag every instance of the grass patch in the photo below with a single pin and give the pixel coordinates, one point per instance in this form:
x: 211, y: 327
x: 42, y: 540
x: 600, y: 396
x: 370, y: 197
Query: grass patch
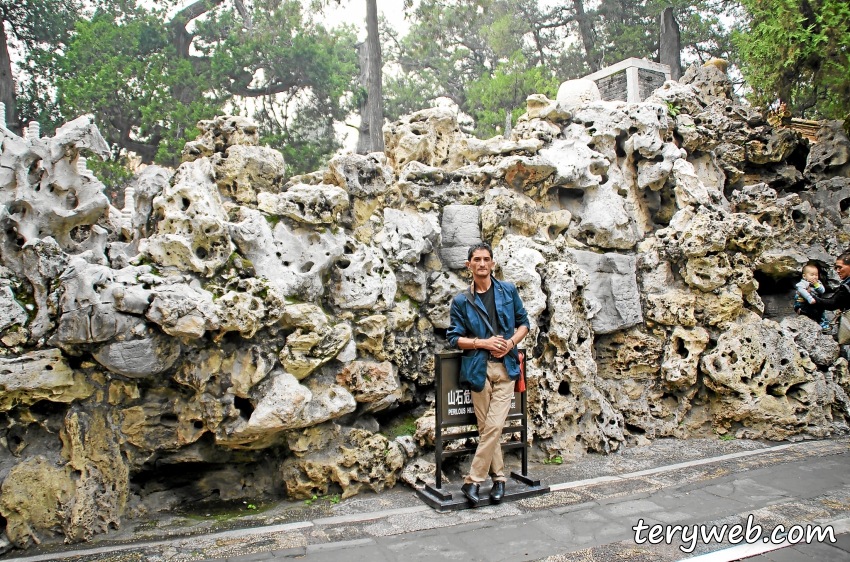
x: 727, y: 437
x: 403, y: 426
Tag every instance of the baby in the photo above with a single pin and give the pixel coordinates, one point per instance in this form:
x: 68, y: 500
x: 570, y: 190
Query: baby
x: 804, y: 302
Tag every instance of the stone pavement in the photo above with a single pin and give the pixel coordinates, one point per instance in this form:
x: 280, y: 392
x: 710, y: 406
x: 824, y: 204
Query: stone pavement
x: 584, y: 519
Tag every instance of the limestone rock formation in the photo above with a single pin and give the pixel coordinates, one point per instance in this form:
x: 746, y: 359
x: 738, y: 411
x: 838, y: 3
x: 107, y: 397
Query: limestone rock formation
x: 230, y: 333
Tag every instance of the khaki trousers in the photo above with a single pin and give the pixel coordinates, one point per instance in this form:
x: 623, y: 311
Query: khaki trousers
x: 491, y: 405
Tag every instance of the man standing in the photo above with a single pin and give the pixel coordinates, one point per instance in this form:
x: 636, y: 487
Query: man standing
x: 488, y: 320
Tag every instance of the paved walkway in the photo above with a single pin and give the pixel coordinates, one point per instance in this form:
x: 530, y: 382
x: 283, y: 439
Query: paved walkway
x: 586, y: 520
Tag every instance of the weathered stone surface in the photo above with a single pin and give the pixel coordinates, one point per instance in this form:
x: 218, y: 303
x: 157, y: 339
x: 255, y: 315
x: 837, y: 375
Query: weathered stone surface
x: 613, y: 292
x: 308, y: 349
x: 821, y: 348
x: 540, y: 107
x: 651, y: 253
x: 243, y: 172
x: 78, y: 495
x: 830, y: 156
x: 180, y: 310
x: 573, y: 93
x: 363, y: 280
x: 443, y: 287
x: 681, y: 356
x: 11, y: 312
x: 362, y: 176
x: 293, y: 260
x: 310, y: 204
x: 351, y: 458
x: 369, y: 382
x: 460, y: 230
x: 191, y: 233
x: 219, y: 134
x: 284, y: 403
x: 429, y: 136
x: 406, y: 236
x: 758, y: 374
x: 149, y: 355
x: 40, y: 375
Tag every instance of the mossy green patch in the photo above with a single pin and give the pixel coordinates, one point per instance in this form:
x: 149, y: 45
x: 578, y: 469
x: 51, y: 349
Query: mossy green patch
x: 402, y: 426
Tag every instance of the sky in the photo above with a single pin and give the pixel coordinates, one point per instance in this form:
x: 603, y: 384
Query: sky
x: 354, y: 12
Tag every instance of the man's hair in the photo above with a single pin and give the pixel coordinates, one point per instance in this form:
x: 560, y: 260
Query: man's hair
x: 845, y: 258
x: 481, y: 246
x: 811, y: 264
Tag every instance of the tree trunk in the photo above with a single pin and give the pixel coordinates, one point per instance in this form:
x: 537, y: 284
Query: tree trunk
x: 670, y: 44
x: 372, y: 108
x: 585, y: 28
x: 7, y: 84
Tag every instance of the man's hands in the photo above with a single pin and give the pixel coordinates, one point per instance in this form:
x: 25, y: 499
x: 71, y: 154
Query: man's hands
x: 497, y: 345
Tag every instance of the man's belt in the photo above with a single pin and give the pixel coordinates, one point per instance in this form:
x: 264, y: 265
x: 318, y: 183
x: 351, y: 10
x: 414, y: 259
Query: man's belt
x: 491, y: 359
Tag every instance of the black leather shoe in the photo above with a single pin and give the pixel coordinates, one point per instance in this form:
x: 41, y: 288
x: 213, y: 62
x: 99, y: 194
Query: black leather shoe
x: 497, y: 492
x: 471, y: 492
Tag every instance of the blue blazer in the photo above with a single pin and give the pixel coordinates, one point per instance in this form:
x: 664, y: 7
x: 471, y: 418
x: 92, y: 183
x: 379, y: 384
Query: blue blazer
x: 466, y: 322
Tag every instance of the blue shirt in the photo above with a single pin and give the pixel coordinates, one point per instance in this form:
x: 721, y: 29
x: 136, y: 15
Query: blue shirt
x: 466, y: 322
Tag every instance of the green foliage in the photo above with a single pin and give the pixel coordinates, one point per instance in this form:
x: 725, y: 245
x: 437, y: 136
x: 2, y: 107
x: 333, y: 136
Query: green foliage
x: 36, y: 28
x: 488, y: 55
x: 674, y: 110
x: 798, y: 52
x: 403, y: 426
x: 508, y: 87
x: 131, y: 69
x: 727, y: 437
x: 115, y: 173
x: 554, y: 460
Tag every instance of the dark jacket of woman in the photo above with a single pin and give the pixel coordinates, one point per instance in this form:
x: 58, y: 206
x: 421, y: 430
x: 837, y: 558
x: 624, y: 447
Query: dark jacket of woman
x: 838, y: 300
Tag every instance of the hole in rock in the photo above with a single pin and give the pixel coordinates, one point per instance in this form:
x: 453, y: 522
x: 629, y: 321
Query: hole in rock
x: 635, y: 430
x: 620, y: 144
x: 564, y: 388
x: 185, y: 203
x: 844, y: 206
x: 201, y: 252
x: 797, y: 392
x: 797, y: 216
x: 799, y: 157
x: 198, y: 424
x: 286, y: 264
x: 18, y: 208
x: 568, y: 198
x: 168, y: 419
x: 343, y: 263
x: 307, y: 267
x: 775, y: 389
x: 80, y: 234
x: 777, y: 293
x: 244, y: 406
x: 680, y: 347
x: 71, y: 200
